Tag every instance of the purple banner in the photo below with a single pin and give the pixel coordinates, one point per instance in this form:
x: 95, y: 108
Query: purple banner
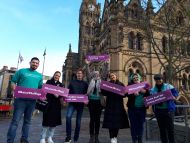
x: 47, y: 88
x: 137, y: 87
x: 77, y: 98
x: 22, y: 92
x: 158, y: 98
x: 115, y: 88
x: 97, y: 58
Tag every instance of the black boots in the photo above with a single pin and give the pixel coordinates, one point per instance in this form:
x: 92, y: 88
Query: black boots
x: 92, y: 139
x: 140, y: 140
x: 96, y: 139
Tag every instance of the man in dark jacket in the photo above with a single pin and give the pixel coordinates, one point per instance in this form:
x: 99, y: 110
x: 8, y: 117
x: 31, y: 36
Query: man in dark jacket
x: 77, y: 86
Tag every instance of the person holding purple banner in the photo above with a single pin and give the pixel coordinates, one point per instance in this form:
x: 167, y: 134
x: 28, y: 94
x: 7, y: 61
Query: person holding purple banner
x: 28, y: 78
x: 115, y: 116
x: 52, y: 116
x: 137, y: 110
x: 95, y: 105
x: 164, y: 111
x: 78, y: 86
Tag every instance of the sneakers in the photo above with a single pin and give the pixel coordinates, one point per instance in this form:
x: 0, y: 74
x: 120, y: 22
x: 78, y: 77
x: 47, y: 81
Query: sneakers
x: 67, y: 140
x: 114, y: 140
x: 50, y: 140
x: 42, y: 141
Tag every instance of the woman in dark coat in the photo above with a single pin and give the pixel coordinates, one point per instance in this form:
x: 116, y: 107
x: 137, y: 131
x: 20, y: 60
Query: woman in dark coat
x: 115, y: 116
x: 52, y: 117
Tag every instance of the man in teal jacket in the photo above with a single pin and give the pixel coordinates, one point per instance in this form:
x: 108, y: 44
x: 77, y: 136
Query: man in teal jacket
x: 29, y: 78
x: 164, y: 111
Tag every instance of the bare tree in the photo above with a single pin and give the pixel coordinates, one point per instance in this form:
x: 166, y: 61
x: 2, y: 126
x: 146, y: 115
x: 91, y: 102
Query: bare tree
x: 173, y: 20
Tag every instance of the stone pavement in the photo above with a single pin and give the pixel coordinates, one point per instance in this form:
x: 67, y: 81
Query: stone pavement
x: 123, y: 137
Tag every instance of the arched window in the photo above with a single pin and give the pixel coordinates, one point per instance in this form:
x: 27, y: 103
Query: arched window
x: 87, y: 28
x: 183, y: 48
x: 131, y: 40
x: 184, y: 81
x: 135, y: 67
x: 180, y: 18
x: 139, y: 42
x: 164, y: 44
x: 134, y: 11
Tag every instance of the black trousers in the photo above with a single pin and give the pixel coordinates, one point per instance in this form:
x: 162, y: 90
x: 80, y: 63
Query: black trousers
x: 165, y: 121
x: 95, y: 109
x: 113, y: 133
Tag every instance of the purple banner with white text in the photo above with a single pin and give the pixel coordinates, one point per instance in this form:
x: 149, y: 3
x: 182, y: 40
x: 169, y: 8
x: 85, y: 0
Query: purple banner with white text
x: 115, y: 88
x: 130, y: 89
x: 22, y: 92
x: 97, y: 58
x: 47, y: 88
x: 77, y: 98
x: 158, y: 98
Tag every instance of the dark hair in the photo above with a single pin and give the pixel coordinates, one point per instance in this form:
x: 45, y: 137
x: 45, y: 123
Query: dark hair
x: 158, y: 77
x: 54, y: 74
x: 80, y: 69
x: 34, y: 58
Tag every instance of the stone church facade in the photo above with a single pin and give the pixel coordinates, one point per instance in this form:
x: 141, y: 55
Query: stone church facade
x: 117, y: 31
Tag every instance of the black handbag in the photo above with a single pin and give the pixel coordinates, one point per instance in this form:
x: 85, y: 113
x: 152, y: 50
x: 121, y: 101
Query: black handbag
x: 42, y: 105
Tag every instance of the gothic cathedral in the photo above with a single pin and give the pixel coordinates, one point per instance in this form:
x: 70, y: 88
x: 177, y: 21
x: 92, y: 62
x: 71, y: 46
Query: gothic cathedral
x: 119, y: 32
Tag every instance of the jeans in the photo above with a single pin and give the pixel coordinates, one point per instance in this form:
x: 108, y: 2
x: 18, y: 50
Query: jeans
x: 95, y: 109
x: 70, y: 110
x: 165, y: 121
x: 137, y: 119
x: 21, y: 107
x: 50, y: 131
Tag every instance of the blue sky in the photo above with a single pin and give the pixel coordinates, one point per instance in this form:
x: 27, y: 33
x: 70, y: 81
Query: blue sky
x: 30, y: 26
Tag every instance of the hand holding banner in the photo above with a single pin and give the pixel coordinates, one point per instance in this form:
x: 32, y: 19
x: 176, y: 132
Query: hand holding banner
x: 97, y: 58
x: 77, y: 98
x: 115, y: 88
x: 158, y: 98
x: 22, y: 92
x: 137, y: 87
x: 56, y: 90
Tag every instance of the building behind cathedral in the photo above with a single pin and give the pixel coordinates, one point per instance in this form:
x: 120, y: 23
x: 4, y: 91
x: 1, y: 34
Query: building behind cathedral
x: 118, y: 31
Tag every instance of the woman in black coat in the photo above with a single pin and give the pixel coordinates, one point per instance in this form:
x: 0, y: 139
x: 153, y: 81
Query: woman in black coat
x: 52, y: 117
x: 115, y: 116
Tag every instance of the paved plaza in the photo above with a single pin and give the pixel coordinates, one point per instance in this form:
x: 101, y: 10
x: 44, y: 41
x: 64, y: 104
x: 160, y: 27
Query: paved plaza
x: 124, y: 134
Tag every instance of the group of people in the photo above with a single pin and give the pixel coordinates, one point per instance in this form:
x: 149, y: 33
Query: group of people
x: 115, y: 116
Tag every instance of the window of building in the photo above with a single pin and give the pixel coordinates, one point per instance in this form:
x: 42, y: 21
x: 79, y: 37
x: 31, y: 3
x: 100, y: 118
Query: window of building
x: 134, y: 11
x: 131, y: 40
x: 164, y: 44
x: 183, y: 48
x: 180, y: 18
x: 184, y: 81
x: 139, y: 42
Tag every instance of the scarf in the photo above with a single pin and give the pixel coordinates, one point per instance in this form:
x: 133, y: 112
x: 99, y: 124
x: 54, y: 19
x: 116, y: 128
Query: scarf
x: 94, y: 86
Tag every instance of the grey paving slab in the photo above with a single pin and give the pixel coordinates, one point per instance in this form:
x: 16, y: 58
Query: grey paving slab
x: 124, y: 134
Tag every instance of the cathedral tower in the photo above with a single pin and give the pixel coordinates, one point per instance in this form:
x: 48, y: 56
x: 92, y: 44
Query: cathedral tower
x: 88, y: 19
